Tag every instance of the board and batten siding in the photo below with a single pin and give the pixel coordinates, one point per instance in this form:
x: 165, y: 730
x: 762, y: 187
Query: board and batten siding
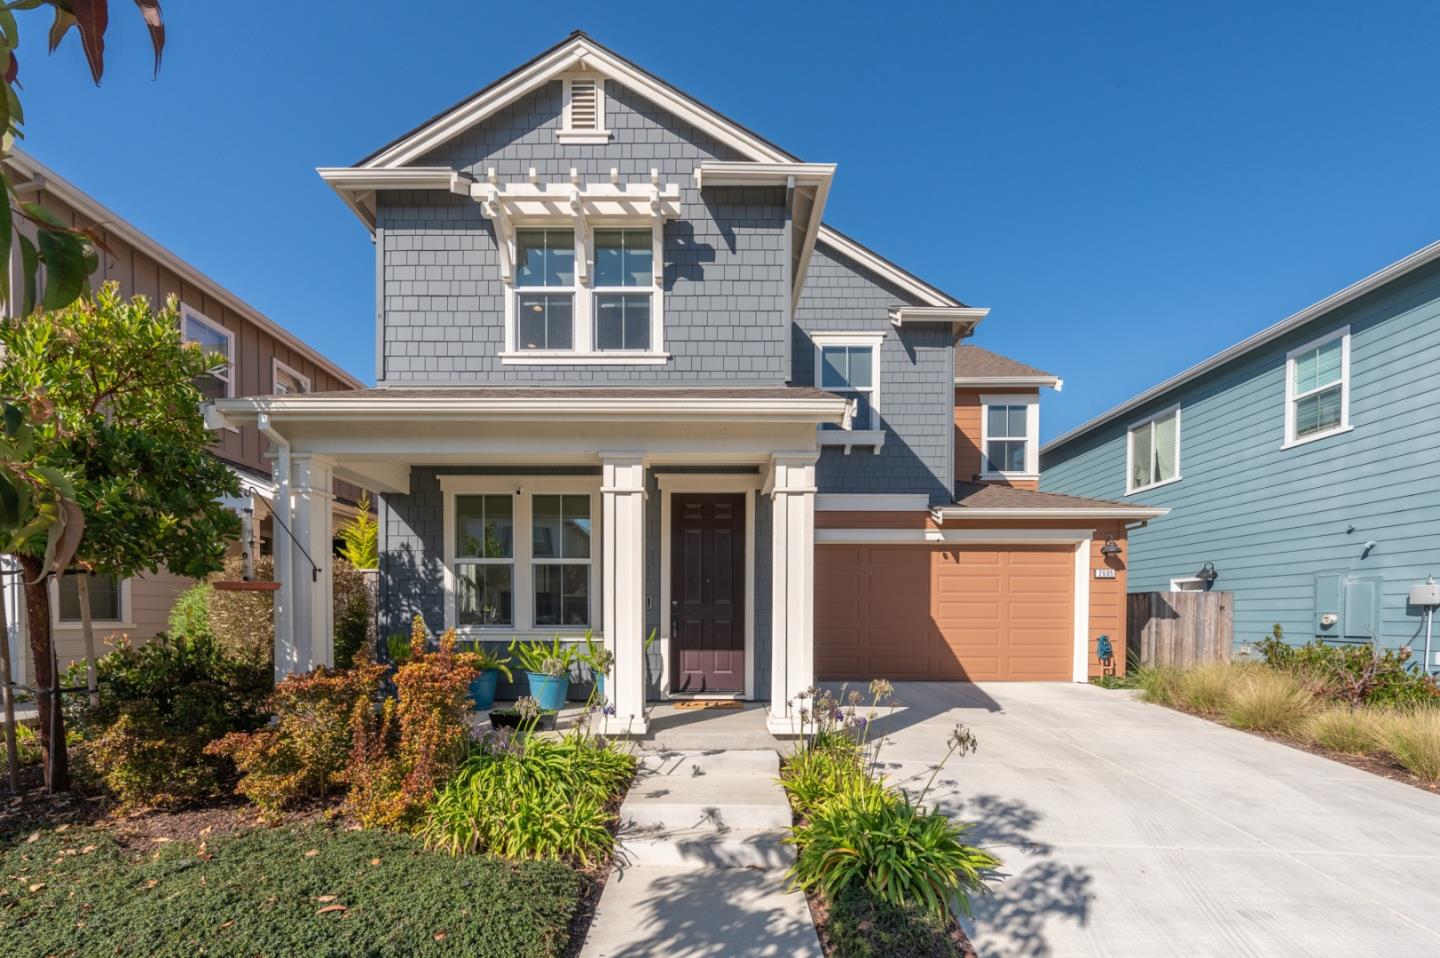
x: 1271, y: 519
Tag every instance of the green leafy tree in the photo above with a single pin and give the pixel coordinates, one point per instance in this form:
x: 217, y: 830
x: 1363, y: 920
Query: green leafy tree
x: 128, y: 427
x: 360, y: 537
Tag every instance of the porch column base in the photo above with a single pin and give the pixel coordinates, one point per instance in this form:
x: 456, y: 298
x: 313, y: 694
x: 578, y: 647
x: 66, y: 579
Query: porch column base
x: 783, y: 725
x: 615, y: 726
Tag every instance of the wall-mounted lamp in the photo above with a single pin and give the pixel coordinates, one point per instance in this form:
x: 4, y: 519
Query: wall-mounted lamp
x: 1110, y: 548
x: 1207, y: 574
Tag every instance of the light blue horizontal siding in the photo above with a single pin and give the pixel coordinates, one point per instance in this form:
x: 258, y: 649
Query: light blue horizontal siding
x: 1271, y: 518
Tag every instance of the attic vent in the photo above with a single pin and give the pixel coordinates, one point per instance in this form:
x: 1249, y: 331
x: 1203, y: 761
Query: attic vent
x: 584, y: 119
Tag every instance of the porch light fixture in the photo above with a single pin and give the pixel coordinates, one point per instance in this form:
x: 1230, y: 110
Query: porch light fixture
x: 1207, y: 574
x: 1110, y: 548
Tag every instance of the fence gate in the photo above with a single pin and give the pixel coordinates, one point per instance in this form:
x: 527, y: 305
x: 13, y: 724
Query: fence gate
x: 1180, y: 628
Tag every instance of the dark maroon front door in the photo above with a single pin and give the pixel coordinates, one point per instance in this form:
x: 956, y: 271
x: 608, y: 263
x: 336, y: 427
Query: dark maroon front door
x: 707, y: 593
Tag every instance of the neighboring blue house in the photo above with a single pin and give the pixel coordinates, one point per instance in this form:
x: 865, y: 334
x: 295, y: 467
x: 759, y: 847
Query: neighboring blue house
x: 1302, y: 463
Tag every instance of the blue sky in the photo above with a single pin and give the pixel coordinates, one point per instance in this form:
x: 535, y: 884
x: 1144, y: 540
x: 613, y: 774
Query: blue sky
x: 1130, y: 186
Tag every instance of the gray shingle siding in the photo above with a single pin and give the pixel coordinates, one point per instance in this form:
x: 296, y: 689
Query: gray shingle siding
x: 916, y: 383
x: 724, y: 289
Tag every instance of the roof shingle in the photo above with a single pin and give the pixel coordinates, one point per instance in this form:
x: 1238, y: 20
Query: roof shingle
x: 977, y: 363
x: 992, y: 495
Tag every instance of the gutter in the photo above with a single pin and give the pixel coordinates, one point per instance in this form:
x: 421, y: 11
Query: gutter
x: 942, y: 513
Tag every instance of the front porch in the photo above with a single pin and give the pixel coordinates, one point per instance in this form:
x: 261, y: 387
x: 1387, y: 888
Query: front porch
x: 686, y: 514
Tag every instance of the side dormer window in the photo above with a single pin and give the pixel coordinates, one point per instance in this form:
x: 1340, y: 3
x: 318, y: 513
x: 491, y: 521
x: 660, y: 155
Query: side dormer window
x: 848, y: 364
x: 1010, y: 428
x: 583, y: 118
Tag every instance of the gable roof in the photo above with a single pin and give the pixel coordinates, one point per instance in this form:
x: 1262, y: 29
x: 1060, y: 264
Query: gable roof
x: 975, y: 366
x: 50, y: 181
x: 996, y: 500
x: 1349, y: 294
x: 579, y: 50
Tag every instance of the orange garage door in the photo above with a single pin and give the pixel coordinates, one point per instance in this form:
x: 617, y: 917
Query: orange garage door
x: 977, y: 612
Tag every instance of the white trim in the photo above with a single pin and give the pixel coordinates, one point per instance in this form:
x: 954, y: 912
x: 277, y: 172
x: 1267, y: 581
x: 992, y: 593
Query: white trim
x: 1343, y: 334
x: 1000, y: 382
x: 1349, y: 294
x: 752, y: 172
x: 850, y: 438
x: 612, y: 357
x: 1079, y: 512
x: 1175, y: 584
x: 874, y: 341
x: 1130, y: 487
x: 872, y: 536
x: 1081, y: 671
x: 861, y: 502
x: 670, y: 483
x: 1031, y: 402
x: 187, y: 313
x: 521, y: 489
x: 127, y: 611
x: 277, y: 367
x: 962, y: 319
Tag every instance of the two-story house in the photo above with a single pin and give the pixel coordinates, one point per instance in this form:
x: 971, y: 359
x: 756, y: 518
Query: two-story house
x: 264, y: 359
x: 629, y: 381
x: 1298, y: 465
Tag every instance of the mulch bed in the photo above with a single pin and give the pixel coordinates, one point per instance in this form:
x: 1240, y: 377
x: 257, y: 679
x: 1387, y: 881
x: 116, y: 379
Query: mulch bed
x: 820, y: 914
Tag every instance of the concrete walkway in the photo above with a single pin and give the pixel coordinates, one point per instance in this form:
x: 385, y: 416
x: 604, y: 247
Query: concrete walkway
x: 1132, y: 830
x: 700, y: 871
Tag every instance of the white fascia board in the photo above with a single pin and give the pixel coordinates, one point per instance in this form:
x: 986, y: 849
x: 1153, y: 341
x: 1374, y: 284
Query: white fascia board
x: 338, y: 408
x: 752, y: 173
x: 961, y: 318
x: 111, y: 222
x: 872, y: 503
x: 1349, y: 294
x: 1085, y: 512
x: 1005, y: 382
x: 357, y: 186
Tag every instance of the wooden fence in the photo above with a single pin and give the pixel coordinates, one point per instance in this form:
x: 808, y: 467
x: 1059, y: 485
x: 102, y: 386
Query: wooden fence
x: 1180, y: 628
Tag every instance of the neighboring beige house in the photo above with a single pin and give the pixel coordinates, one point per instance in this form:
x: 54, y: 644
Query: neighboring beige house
x: 265, y: 359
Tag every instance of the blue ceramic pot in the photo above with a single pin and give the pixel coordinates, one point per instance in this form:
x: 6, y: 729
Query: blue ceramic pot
x: 600, y: 688
x: 549, y: 690
x: 482, y: 690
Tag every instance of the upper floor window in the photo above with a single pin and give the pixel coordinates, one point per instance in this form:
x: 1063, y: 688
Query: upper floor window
x: 848, y: 364
x: 624, y: 271
x: 218, y: 383
x: 1153, y: 456
x: 545, y: 288
x: 1010, y: 426
x: 1317, y: 388
x: 287, y: 381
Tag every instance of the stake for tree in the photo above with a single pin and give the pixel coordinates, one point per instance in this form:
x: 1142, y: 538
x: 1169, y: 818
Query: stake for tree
x: 87, y: 628
x: 7, y: 692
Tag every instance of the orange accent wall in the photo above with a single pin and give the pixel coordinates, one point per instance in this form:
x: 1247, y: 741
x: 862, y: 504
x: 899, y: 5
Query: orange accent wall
x: 968, y: 432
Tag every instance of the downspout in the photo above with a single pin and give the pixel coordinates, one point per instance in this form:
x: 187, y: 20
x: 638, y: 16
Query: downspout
x: 283, y: 556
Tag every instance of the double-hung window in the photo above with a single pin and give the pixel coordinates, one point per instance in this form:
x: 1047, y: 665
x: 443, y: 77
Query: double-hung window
x: 484, y: 560
x: 1153, y: 455
x: 218, y: 383
x: 848, y: 364
x: 624, y: 277
x: 545, y: 289
x: 519, y: 553
x: 1010, y: 426
x: 1317, y: 387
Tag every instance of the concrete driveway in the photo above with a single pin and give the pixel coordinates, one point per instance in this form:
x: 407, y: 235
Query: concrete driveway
x: 1131, y: 830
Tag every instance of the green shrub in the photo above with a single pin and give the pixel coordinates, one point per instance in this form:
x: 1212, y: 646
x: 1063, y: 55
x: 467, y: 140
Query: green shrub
x: 353, y: 613
x: 262, y: 893
x: 304, y: 753
x: 815, y: 774
x: 873, y: 838
x: 27, y: 745
x: 1159, y: 684
x: 191, y: 615
x: 1360, y: 674
x: 861, y: 926
x: 526, y: 797
x: 160, y: 705
x: 1344, y: 728
x: 1413, y: 738
x: 1208, y: 688
x: 1264, y: 700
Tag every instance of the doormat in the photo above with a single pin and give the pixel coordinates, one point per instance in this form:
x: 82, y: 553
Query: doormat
x: 709, y: 704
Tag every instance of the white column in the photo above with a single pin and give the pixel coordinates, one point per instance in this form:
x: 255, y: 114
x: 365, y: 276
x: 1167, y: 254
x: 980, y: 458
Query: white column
x: 282, y: 549
x: 310, y: 482
x: 792, y: 630
x: 622, y: 535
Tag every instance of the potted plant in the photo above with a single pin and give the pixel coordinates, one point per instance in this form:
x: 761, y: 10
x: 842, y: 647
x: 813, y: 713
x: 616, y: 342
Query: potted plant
x: 547, y: 668
x: 491, y: 665
x: 525, y: 716
x: 598, y: 660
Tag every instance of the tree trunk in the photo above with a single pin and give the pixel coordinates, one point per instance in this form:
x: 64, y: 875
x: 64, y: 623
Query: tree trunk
x: 47, y: 675
x: 7, y: 693
x: 87, y: 628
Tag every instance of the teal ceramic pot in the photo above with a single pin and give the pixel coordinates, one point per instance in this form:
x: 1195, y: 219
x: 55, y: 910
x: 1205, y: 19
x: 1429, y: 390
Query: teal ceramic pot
x: 549, y: 690
x: 482, y: 690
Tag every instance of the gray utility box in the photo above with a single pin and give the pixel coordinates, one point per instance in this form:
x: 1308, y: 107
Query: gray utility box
x: 1427, y: 593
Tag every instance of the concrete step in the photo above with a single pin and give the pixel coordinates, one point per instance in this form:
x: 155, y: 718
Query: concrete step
x: 693, y: 801
x: 706, y: 846
x: 726, y: 762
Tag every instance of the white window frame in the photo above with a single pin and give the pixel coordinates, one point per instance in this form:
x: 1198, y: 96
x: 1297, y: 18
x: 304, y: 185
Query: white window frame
x: 187, y: 313
x: 1031, y: 402
x: 875, y: 436
x: 598, y: 135
x: 1178, y: 584
x: 127, y: 611
x: 1130, y: 487
x: 584, y: 351
x: 1291, y: 397
x: 277, y: 369
x: 522, y: 489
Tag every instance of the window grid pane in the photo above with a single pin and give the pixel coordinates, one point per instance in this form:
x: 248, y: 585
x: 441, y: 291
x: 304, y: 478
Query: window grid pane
x: 545, y: 257
x: 547, y: 320
x: 562, y: 594
x: 1318, y: 412
x: 104, y: 598
x: 1006, y: 455
x: 484, y: 527
x: 622, y: 321
x: 1140, y: 452
x: 623, y: 258
x: 485, y: 594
